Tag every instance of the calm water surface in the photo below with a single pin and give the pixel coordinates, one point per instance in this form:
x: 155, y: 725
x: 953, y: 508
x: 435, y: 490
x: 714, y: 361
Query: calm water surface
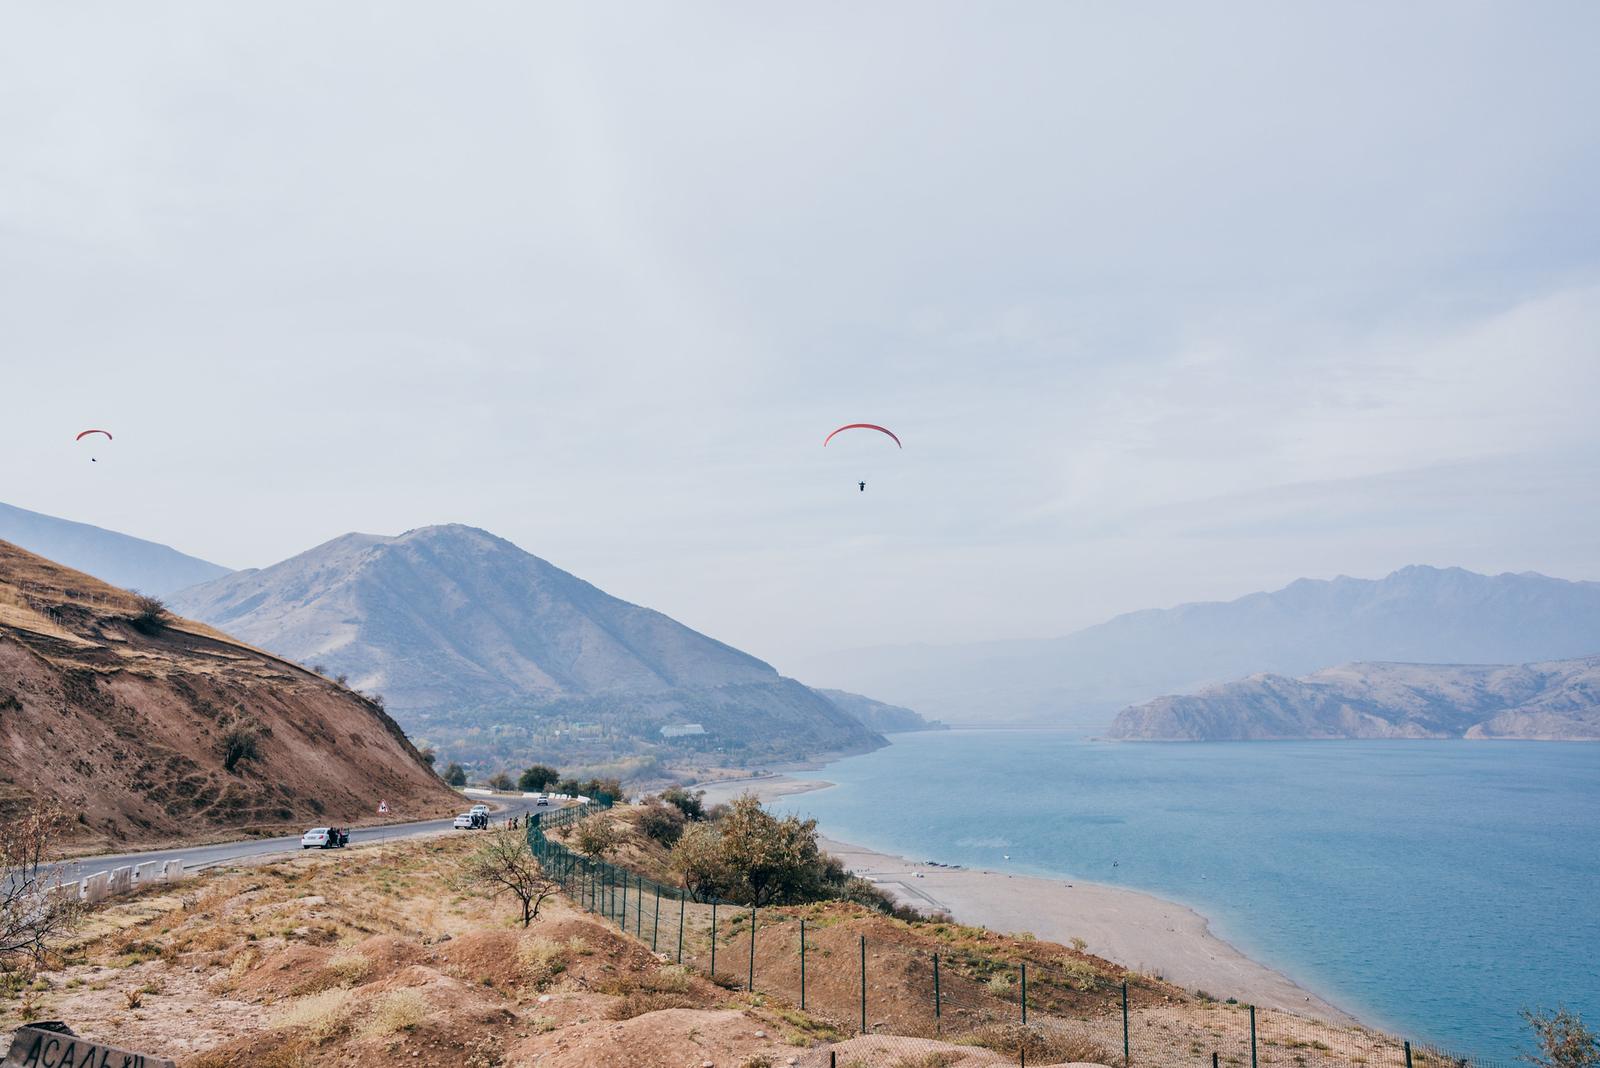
x: 1433, y: 888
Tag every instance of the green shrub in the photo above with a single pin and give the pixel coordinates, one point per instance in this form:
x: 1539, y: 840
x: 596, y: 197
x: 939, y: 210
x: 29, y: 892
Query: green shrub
x: 661, y: 821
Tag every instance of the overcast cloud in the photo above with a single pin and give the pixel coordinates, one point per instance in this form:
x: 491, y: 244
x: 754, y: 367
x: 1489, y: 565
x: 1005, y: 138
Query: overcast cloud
x: 1166, y: 302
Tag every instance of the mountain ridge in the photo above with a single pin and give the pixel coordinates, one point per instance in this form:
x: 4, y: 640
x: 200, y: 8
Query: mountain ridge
x: 120, y: 559
x: 880, y: 715
x: 1546, y: 701
x: 458, y: 627
x: 1416, y: 613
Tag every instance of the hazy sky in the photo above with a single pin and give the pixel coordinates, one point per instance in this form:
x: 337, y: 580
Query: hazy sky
x: 1167, y: 302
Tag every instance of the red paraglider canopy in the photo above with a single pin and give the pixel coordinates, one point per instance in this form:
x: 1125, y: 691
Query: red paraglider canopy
x: 86, y: 433
x: 863, y: 426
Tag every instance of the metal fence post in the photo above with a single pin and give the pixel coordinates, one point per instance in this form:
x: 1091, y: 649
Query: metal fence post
x: 802, y: 965
x: 655, y: 921
x: 750, y: 984
x: 638, y: 920
x: 1124, y: 1023
x: 682, y: 896
x: 1252, y: 1036
x: 1024, y: 994
x: 938, y: 1009
x: 1408, y: 1053
x: 622, y: 916
x: 713, y: 939
x: 863, y: 984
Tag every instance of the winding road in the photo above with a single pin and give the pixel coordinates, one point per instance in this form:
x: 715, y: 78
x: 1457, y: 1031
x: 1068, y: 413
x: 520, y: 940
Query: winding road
x: 206, y: 856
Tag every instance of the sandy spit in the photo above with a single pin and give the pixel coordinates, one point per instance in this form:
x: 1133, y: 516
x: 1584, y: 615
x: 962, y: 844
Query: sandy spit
x: 1135, y: 929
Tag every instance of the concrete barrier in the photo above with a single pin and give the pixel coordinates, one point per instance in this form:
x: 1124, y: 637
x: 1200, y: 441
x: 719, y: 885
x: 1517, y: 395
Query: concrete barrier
x: 97, y: 887
x: 103, y: 884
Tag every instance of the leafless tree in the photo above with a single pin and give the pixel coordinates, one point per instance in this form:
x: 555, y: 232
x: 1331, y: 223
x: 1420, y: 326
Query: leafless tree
x: 35, y: 908
x: 505, y: 865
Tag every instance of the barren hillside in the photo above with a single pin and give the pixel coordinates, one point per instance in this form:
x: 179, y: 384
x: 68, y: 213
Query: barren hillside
x: 125, y: 725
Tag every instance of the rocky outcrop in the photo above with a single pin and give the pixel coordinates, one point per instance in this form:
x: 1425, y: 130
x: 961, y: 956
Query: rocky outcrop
x: 1551, y: 700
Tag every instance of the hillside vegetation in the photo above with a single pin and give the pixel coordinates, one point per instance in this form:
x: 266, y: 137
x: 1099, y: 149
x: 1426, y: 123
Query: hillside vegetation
x: 149, y: 728
x: 379, y: 956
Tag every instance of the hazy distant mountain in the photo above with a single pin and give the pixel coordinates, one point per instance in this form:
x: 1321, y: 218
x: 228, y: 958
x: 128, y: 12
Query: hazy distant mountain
x: 464, y: 633
x: 1556, y: 700
x: 880, y: 717
x: 119, y: 559
x: 1418, y: 614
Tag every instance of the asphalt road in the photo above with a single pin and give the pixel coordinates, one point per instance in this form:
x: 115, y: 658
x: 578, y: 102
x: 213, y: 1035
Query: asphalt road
x: 206, y: 856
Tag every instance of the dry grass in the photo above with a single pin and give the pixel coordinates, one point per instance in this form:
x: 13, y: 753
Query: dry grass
x: 542, y: 959
x: 317, y: 1017
x: 939, y: 1058
x: 639, y: 1002
x: 398, y: 1010
x: 349, y: 968
x: 1042, y: 1047
x: 666, y: 988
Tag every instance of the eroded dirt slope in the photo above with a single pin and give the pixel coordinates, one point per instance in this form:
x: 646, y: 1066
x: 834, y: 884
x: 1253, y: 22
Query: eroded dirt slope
x: 125, y: 725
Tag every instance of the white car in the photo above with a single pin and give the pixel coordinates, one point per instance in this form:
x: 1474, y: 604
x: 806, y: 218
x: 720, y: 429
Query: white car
x: 463, y: 822
x: 480, y: 809
x: 324, y: 838
x: 542, y: 802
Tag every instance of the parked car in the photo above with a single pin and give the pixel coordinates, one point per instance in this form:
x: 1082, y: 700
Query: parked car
x: 465, y: 822
x: 325, y: 838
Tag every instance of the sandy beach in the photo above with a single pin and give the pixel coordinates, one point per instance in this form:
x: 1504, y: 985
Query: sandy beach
x: 1138, y: 930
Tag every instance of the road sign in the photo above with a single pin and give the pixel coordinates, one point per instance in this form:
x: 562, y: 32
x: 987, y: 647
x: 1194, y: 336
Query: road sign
x: 383, y: 808
x: 55, y: 1043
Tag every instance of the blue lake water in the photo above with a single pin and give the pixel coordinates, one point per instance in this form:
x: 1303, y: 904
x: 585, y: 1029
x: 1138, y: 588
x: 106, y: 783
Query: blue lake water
x: 1431, y: 888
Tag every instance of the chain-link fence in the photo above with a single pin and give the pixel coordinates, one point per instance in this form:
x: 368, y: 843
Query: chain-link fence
x: 881, y: 994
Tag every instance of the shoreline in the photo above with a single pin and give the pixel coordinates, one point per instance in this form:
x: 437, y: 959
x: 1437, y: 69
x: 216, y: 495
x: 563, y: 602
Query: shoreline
x: 1130, y: 927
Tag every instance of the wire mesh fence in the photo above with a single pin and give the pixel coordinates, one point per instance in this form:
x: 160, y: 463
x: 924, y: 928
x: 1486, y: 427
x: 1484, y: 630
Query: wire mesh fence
x: 887, y: 996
